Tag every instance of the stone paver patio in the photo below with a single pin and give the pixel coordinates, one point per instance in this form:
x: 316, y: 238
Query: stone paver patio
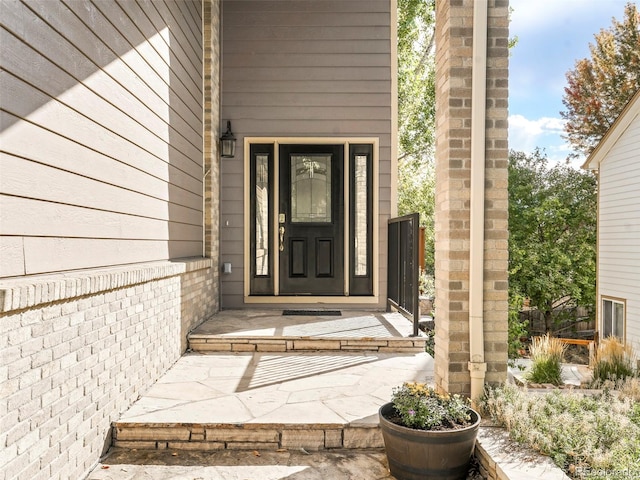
x: 291, y: 413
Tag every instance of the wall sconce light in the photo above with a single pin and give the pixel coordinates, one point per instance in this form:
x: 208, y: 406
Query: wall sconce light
x: 228, y: 143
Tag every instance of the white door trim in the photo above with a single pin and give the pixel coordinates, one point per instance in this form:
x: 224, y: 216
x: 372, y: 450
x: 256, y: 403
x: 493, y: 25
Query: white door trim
x: 276, y: 142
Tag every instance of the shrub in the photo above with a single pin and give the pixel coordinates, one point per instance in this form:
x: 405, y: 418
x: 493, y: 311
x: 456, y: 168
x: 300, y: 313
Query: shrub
x: 517, y: 328
x: 546, y: 357
x: 630, y: 388
x: 426, y: 284
x: 421, y: 407
x: 579, y: 431
x: 613, y: 361
x: 430, y: 343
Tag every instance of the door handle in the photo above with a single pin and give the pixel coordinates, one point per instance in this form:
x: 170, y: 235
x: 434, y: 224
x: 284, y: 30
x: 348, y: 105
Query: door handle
x: 281, y: 231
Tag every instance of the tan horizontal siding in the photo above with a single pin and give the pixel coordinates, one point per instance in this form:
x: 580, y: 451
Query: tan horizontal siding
x: 152, y: 178
x: 190, y: 11
x: 297, y: 99
x: 188, y: 44
x: 32, y: 217
x: 317, y: 60
x: 167, y: 43
x: 185, y: 88
x: 284, y: 6
x: 293, y: 74
x: 291, y: 18
x: 33, y: 255
x: 12, y: 255
x: 309, y: 128
x: 317, y: 34
x: 320, y: 114
x: 309, y: 47
x: 101, y: 133
x: 88, y: 35
x: 130, y: 120
x: 308, y: 86
x: 315, y: 68
x: 76, y: 127
x: 75, y: 253
x: 29, y: 179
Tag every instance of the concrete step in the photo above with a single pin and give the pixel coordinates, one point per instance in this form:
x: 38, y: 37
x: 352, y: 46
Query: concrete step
x: 270, y: 401
x: 213, y: 343
x: 270, y: 331
x: 255, y: 436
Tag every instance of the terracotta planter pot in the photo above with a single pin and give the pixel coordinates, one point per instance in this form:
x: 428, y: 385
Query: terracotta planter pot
x: 422, y: 454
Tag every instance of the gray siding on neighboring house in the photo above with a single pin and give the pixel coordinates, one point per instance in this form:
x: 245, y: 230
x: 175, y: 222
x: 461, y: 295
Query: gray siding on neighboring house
x: 313, y: 68
x: 619, y: 227
x: 101, y: 134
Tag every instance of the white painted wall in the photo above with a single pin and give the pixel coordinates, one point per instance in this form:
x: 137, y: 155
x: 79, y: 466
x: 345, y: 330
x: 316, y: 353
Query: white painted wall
x: 619, y: 227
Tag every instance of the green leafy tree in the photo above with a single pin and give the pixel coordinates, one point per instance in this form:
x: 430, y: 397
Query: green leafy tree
x: 416, y: 115
x: 416, y: 79
x: 416, y: 193
x: 599, y: 88
x: 517, y: 328
x: 552, y: 227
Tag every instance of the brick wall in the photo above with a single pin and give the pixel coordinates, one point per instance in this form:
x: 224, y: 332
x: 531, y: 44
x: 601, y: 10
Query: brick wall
x: 453, y: 165
x: 78, y: 350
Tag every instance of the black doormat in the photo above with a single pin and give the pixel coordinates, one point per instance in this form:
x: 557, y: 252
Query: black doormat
x: 316, y: 313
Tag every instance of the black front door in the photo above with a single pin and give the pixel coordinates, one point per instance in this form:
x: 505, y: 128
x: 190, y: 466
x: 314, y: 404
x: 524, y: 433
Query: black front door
x: 311, y: 219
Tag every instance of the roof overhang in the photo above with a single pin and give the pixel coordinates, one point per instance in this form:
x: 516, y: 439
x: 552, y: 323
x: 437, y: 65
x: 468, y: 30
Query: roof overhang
x: 629, y: 112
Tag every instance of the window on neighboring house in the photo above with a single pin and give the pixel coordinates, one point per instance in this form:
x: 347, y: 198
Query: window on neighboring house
x: 612, y: 318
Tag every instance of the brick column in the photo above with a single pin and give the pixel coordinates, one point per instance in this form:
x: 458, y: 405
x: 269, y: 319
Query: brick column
x: 454, y: 23
x: 211, y: 86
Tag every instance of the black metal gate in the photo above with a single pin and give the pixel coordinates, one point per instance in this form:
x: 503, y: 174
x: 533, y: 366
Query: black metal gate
x: 403, y: 268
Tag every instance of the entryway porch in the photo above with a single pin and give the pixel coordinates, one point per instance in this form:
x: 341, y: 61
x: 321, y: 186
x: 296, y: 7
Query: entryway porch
x: 263, y: 380
x: 301, y: 410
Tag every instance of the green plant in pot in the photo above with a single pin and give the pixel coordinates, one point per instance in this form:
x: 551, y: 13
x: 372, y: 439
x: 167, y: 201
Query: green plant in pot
x: 428, y: 435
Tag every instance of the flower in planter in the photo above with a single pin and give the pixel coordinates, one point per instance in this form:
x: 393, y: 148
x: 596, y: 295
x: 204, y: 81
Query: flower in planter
x: 419, y: 406
x: 428, y: 435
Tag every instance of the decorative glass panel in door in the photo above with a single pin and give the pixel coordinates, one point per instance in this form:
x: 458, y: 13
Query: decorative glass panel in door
x: 310, y: 188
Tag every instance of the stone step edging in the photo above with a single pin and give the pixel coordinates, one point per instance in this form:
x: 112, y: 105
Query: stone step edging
x: 208, y: 343
x: 499, y: 457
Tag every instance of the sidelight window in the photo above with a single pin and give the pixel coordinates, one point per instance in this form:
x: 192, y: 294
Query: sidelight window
x: 361, y: 235
x: 262, y: 215
x: 361, y: 221
x: 261, y: 206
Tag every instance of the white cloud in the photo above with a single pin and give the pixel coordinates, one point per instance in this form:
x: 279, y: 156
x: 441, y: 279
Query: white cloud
x: 525, y: 135
x: 540, y: 15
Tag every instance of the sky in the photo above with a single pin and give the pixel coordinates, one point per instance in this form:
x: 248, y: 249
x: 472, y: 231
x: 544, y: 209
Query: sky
x: 552, y: 36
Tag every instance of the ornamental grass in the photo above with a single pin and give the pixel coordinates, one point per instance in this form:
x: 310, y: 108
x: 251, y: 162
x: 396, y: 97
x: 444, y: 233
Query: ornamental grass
x: 612, y: 361
x: 546, y: 354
